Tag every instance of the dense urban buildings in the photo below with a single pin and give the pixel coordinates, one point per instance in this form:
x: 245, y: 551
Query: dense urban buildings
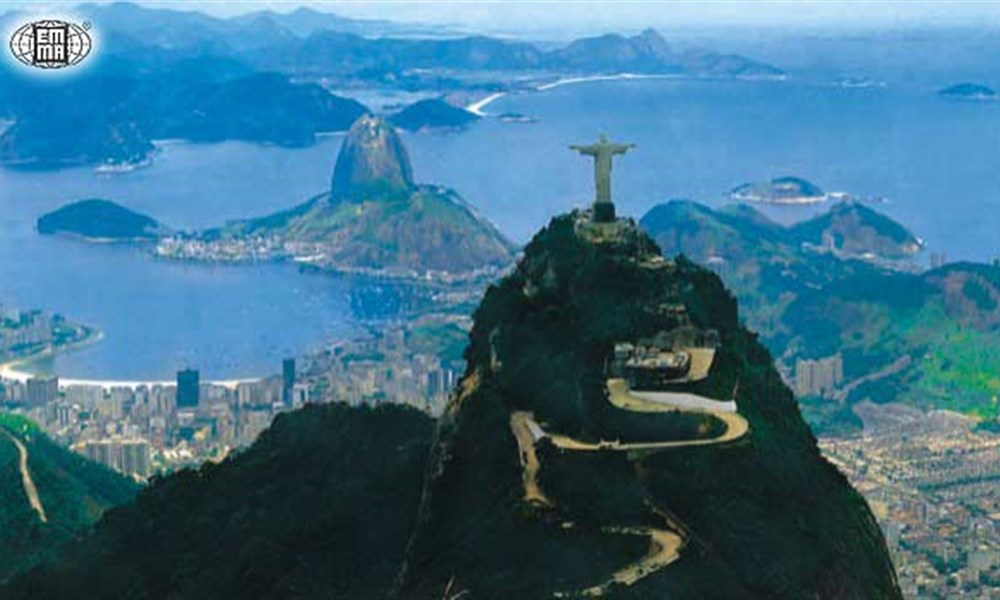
x: 932, y: 481
x: 24, y: 333
x: 129, y: 456
x: 148, y: 428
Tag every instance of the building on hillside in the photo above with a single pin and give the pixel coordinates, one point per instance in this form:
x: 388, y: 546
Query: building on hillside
x: 817, y: 377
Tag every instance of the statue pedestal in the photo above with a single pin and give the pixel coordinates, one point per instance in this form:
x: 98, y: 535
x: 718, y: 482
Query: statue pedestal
x: 604, y: 212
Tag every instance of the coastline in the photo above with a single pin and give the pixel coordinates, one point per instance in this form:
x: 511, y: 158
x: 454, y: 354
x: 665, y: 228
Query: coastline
x: 9, y: 371
x: 616, y: 77
x: 477, y: 107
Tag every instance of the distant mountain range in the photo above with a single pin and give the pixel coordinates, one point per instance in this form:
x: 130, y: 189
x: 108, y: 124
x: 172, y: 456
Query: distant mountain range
x: 306, y: 40
x: 100, y: 119
x: 184, y: 74
x: 336, y: 53
x: 841, y: 283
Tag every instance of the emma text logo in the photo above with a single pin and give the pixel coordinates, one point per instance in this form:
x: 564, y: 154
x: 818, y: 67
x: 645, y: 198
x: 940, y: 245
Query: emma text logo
x: 51, y: 44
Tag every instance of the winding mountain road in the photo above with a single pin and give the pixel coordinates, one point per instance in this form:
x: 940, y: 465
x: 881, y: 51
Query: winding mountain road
x: 665, y: 545
x: 26, y: 481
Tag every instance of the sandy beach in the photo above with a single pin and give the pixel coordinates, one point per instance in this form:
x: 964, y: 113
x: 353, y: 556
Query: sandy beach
x: 10, y: 372
x: 477, y: 107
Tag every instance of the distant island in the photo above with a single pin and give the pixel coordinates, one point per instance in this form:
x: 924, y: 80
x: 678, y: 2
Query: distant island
x: 516, y: 117
x: 781, y: 190
x: 101, y: 220
x: 859, y: 82
x: 432, y: 113
x: 968, y: 91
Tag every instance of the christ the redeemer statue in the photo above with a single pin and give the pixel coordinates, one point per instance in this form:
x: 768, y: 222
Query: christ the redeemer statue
x: 602, y: 151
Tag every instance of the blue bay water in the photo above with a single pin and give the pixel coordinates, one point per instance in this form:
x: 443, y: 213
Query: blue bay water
x: 159, y: 316
x: 933, y: 159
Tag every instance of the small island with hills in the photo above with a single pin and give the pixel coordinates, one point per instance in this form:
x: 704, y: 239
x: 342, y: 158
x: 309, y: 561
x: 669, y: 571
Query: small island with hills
x: 98, y: 220
x: 782, y: 190
x: 432, y: 113
x: 969, y: 91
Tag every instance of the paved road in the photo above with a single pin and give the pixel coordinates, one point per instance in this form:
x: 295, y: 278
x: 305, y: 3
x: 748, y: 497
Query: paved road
x: 26, y: 481
x: 665, y: 544
x: 664, y: 548
x: 519, y: 424
x: 621, y: 397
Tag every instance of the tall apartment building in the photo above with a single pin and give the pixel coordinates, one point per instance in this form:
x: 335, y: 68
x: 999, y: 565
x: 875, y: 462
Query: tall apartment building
x: 128, y: 456
x: 818, y: 377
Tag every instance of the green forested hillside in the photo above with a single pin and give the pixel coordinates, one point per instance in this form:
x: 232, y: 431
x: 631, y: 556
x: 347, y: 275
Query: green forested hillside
x: 319, y: 507
x: 929, y: 337
x: 72, y: 490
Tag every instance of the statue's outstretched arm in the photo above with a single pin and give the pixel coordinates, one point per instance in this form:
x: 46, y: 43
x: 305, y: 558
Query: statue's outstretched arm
x: 622, y: 148
x: 585, y: 150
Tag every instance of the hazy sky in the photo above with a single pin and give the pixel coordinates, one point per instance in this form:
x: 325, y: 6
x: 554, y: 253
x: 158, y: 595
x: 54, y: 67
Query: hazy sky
x: 569, y: 17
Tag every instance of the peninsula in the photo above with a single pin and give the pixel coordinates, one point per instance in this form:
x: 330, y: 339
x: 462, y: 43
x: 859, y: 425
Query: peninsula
x: 374, y: 220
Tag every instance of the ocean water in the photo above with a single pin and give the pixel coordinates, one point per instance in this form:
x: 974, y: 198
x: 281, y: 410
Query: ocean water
x: 159, y: 316
x: 933, y: 159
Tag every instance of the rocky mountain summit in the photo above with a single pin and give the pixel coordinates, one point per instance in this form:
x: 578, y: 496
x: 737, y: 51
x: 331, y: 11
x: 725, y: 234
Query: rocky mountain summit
x: 374, y: 220
x: 372, y: 162
x: 552, y: 476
